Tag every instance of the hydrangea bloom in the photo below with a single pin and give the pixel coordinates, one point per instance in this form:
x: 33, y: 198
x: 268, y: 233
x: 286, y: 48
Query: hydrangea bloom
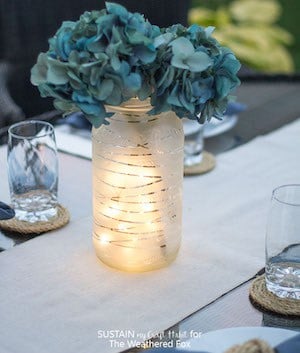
x: 112, y: 55
x: 195, y: 73
x: 96, y: 61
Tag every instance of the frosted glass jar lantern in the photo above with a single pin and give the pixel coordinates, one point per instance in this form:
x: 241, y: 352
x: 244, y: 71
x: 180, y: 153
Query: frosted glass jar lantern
x: 137, y: 188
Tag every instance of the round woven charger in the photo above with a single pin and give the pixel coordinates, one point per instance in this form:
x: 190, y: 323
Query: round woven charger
x: 253, y: 346
x: 207, y: 164
x: 14, y: 225
x: 265, y: 300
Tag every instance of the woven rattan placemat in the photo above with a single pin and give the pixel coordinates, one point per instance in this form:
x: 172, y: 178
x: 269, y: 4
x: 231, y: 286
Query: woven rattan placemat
x: 206, y: 165
x: 264, y: 300
x: 252, y: 346
x: 14, y: 225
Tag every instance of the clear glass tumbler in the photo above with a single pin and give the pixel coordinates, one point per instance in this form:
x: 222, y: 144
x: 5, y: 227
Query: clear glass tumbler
x: 33, y: 170
x: 193, y: 142
x: 283, y: 243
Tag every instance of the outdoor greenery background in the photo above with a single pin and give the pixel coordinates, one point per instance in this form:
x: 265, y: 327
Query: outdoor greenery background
x: 289, y: 20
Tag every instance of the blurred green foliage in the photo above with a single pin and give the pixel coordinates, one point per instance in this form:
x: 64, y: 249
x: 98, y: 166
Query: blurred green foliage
x: 290, y: 21
x: 250, y: 29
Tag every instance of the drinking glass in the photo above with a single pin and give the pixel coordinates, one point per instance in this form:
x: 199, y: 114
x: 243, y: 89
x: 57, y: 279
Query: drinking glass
x: 283, y: 243
x: 193, y: 142
x: 33, y: 170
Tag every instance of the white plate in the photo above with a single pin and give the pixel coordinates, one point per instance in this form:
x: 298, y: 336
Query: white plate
x: 221, y: 340
x: 216, y: 127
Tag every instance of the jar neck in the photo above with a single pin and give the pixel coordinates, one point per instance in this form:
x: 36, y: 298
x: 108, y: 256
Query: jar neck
x: 133, y: 106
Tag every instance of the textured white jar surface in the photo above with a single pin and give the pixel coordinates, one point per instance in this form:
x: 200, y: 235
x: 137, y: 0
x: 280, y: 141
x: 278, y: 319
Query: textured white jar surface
x: 137, y: 188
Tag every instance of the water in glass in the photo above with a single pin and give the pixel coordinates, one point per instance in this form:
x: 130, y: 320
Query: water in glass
x: 193, y: 142
x: 33, y: 170
x: 283, y: 243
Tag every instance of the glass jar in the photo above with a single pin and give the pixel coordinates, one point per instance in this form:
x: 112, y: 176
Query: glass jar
x: 137, y: 188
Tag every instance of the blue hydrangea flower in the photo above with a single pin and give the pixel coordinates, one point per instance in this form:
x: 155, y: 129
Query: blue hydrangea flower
x: 195, y: 75
x: 112, y: 55
x: 96, y: 61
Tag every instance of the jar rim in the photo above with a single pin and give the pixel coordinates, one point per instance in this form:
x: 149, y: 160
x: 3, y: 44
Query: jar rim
x: 134, y: 105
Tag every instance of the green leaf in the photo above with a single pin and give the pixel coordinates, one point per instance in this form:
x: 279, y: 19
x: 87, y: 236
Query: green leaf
x: 255, y: 11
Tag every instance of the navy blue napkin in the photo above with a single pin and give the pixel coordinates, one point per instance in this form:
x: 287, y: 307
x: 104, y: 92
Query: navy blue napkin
x: 75, y: 120
x: 234, y: 108
x: 6, y: 212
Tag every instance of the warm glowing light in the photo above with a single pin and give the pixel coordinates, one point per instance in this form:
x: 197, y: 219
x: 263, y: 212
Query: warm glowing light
x: 104, y: 238
x: 112, y: 212
x: 147, y: 207
x: 122, y: 226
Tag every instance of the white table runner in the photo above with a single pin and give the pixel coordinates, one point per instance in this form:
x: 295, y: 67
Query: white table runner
x: 55, y: 296
x: 70, y: 142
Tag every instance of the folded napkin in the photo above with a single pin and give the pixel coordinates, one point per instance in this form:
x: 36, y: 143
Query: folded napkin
x: 234, y: 108
x: 76, y: 120
x: 6, y: 212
